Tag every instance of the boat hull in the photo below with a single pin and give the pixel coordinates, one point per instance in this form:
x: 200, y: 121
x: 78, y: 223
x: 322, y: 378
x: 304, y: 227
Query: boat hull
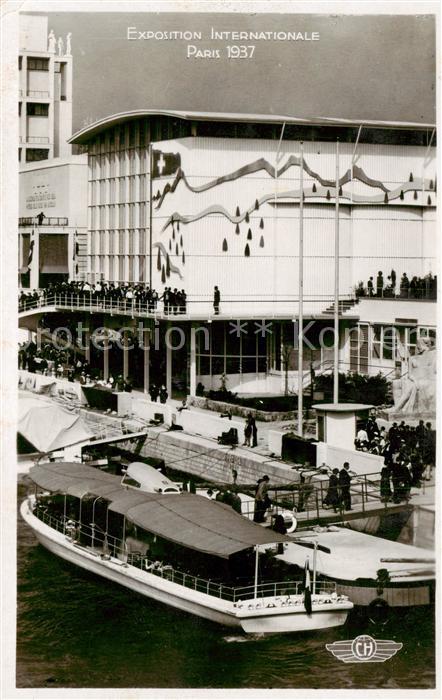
x: 297, y: 621
x: 131, y: 577
x: 265, y: 616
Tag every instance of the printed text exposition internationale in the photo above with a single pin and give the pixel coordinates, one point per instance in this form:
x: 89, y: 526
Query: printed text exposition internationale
x: 135, y: 34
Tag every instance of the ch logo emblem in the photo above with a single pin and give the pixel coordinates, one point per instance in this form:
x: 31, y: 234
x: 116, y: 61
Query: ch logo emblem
x: 364, y: 649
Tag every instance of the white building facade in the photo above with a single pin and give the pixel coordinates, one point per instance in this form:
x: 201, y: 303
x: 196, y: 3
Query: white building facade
x: 190, y: 201
x: 45, y: 91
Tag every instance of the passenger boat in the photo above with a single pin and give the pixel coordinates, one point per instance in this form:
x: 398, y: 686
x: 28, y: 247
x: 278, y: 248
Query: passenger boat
x: 184, y: 550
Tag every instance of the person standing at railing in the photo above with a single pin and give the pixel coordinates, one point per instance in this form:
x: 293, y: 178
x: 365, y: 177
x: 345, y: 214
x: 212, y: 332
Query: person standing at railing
x: 331, y: 499
x: 379, y: 284
x: 344, y: 486
x: 404, y: 286
x: 393, y: 281
x: 385, y: 486
x: 370, y: 287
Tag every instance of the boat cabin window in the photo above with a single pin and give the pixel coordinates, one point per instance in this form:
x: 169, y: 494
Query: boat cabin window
x: 129, y: 481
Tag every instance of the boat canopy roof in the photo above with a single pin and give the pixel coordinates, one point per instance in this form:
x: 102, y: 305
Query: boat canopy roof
x: 186, y: 519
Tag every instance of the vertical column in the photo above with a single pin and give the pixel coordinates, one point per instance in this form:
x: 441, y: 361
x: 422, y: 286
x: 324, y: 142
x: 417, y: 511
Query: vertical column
x: 192, y: 388
x: 34, y: 277
x: 125, y: 356
x: 146, y: 359
x: 168, y: 362
x: 87, y: 339
x: 106, y: 359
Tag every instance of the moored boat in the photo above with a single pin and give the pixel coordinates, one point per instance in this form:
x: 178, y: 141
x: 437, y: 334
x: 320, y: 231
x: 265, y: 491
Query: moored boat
x: 180, y: 549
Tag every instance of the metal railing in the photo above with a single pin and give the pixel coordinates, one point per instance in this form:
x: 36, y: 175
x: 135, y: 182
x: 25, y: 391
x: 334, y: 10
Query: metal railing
x: 95, y: 541
x: 306, y: 501
x: 38, y: 93
x: 37, y: 139
x: 428, y: 291
x: 47, y: 221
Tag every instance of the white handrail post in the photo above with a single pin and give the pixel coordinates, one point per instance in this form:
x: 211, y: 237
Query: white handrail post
x: 255, y: 591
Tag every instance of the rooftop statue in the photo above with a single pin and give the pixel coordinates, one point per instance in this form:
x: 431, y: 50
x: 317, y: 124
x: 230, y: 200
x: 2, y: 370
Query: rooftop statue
x: 60, y: 46
x: 68, y: 44
x: 51, y: 41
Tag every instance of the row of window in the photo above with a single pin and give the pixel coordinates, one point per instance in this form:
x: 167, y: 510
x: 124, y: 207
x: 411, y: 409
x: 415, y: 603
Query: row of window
x: 119, y: 242
x: 118, y: 216
x: 37, y: 109
x: 119, y: 190
x: 36, y: 63
x: 131, y: 162
x: 159, y: 128
x: 34, y: 154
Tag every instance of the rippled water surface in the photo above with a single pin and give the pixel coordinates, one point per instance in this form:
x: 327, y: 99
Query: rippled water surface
x: 77, y: 630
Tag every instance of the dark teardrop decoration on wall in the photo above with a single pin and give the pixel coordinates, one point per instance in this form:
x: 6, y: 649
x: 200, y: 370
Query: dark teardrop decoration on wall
x: 158, y: 195
x: 429, y: 201
x: 170, y: 244
x: 411, y: 177
x: 256, y: 204
x: 237, y: 228
x: 247, y: 251
x: 314, y: 187
x: 247, y: 219
x: 340, y: 191
x: 261, y: 223
x: 181, y: 241
x: 328, y: 194
x: 431, y: 184
x: 415, y: 194
x: 177, y: 225
x: 238, y: 213
x: 261, y: 242
x: 249, y: 235
x: 401, y: 196
x: 184, y: 258
x: 225, y: 247
x: 177, y: 252
x: 159, y: 260
x: 163, y: 275
x: 386, y: 198
x: 173, y: 234
x: 168, y: 265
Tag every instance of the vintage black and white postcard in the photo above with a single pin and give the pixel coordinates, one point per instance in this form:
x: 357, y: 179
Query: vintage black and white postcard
x: 220, y: 323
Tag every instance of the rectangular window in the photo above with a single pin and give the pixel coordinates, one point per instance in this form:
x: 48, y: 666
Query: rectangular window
x: 20, y: 62
x: 36, y: 109
x: 38, y: 63
x: 33, y: 154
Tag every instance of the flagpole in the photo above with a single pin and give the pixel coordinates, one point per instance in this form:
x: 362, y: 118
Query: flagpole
x: 336, y: 304
x: 301, y: 293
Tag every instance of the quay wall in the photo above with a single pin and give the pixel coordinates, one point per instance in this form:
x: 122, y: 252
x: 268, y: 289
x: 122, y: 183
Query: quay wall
x: 195, y: 455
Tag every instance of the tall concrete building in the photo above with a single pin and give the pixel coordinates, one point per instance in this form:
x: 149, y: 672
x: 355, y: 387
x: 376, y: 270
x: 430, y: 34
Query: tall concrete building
x: 45, y: 91
x: 52, y: 225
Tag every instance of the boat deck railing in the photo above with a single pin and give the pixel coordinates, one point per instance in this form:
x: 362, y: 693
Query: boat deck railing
x: 104, y: 545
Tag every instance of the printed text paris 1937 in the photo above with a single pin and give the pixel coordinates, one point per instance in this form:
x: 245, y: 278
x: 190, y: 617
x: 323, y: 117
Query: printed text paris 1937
x: 228, y: 50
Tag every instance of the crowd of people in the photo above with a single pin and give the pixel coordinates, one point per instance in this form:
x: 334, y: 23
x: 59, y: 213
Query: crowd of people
x: 409, y: 455
x: 140, y: 296
x: 408, y: 287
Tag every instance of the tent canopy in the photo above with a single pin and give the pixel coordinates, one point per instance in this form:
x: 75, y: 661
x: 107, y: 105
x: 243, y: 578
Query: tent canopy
x: 48, y: 426
x: 188, y: 520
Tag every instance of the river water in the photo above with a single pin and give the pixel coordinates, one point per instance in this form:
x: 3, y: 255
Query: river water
x: 75, y: 630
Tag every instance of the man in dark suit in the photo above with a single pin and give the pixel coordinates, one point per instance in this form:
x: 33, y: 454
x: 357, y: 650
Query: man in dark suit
x: 344, y: 486
x: 216, y: 300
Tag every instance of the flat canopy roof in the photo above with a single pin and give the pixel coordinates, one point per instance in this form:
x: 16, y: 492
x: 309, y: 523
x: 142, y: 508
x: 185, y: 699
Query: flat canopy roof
x: 342, y: 407
x: 188, y: 520
x: 95, y: 128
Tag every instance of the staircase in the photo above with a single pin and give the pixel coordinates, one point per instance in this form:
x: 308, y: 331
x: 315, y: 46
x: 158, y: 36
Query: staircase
x: 343, y: 306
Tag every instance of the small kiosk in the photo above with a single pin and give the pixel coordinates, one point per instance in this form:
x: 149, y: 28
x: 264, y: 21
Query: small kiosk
x: 336, y: 423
